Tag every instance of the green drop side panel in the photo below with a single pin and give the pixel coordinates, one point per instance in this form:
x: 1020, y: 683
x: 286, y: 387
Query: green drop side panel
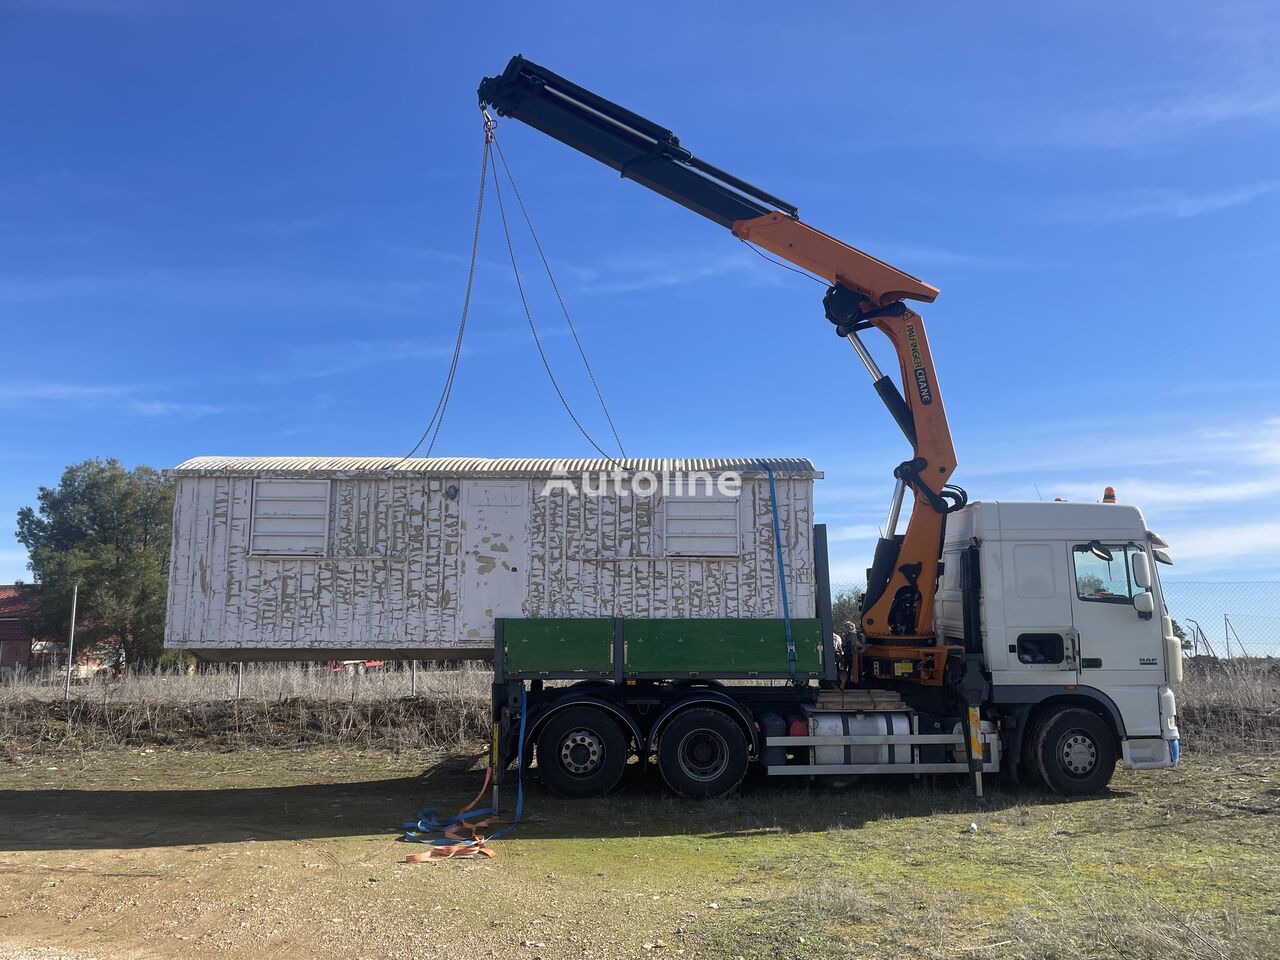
x: 712, y: 648
x: 559, y: 646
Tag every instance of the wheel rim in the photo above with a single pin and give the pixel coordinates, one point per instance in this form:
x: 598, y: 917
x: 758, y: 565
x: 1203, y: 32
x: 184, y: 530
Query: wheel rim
x: 703, y: 755
x: 1077, y: 753
x: 581, y: 752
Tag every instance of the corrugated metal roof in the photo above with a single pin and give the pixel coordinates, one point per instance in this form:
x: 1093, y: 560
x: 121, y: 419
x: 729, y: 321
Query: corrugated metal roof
x: 483, y: 467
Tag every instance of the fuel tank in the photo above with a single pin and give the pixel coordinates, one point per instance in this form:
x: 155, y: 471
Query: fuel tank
x: 830, y: 724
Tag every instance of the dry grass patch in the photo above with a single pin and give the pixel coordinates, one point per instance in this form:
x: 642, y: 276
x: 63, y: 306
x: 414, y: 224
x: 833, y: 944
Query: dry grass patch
x: 1231, y: 704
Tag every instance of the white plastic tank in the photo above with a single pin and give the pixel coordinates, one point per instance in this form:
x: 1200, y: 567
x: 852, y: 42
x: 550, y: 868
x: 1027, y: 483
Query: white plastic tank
x: 829, y: 724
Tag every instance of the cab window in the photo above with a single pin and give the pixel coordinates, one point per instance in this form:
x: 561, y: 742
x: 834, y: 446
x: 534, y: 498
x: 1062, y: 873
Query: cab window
x: 1105, y: 581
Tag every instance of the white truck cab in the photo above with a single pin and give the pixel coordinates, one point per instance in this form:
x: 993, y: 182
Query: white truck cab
x: 1072, y: 620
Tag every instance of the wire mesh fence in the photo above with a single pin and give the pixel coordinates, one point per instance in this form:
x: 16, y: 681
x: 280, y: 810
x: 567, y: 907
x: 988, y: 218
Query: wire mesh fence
x: 1216, y: 618
x: 1226, y: 619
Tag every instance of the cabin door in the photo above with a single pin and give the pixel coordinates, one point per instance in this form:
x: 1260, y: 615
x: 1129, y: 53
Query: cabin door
x: 495, y: 554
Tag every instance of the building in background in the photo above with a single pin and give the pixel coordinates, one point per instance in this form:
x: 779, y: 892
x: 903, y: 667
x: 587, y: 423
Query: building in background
x: 16, y: 638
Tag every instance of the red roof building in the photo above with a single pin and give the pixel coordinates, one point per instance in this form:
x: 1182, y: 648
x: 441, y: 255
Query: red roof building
x: 15, y: 638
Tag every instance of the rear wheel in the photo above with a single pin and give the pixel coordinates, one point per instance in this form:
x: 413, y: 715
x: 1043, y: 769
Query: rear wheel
x: 582, y: 752
x: 1073, y: 752
x: 703, y: 753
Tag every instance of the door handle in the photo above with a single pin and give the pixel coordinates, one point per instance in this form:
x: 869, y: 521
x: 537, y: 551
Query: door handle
x: 1091, y: 663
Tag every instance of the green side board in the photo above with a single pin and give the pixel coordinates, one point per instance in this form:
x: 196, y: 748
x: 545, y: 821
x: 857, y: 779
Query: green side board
x: 559, y: 646
x: 658, y: 648
x: 724, y: 647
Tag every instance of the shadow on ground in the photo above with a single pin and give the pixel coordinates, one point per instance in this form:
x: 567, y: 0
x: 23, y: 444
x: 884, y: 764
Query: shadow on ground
x: 82, y: 819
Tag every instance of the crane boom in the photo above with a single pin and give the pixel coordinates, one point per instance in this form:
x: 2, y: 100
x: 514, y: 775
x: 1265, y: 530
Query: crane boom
x: 865, y: 293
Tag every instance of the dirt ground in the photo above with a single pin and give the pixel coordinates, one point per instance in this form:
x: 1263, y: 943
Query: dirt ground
x: 249, y: 854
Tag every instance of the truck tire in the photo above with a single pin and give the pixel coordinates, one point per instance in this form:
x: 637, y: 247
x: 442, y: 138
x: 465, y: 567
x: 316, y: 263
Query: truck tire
x: 703, y: 753
x: 582, y: 752
x: 1073, y: 752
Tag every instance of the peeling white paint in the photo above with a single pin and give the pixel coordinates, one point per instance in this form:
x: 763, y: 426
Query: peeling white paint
x: 399, y: 564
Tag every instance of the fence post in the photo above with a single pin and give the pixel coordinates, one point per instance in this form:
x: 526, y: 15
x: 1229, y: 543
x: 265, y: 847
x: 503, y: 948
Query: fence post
x: 413, y: 678
x: 71, y: 640
x: 239, y: 677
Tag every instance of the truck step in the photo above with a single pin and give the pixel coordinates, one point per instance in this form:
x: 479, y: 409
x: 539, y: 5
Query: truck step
x: 859, y: 769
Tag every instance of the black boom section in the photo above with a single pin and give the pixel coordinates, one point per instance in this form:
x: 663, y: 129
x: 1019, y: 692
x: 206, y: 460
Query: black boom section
x: 637, y: 148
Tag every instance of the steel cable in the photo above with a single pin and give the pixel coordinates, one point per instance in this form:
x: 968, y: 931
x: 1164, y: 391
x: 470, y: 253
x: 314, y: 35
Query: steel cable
x: 554, y: 286
x: 502, y: 214
x: 437, y: 417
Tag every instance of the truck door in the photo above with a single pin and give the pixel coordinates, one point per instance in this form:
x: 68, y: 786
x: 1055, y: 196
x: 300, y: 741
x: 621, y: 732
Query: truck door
x: 1039, y: 637
x: 495, y: 554
x: 1121, y: 651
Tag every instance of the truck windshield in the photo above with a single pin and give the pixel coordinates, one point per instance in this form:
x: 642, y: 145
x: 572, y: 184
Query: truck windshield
x: 1106, y: 581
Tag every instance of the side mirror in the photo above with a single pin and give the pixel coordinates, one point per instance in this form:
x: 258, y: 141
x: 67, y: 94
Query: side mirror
x: 1162, y: 557
x: 1142, y: 570
x: 1145, y: 604
x: 1099, y: 551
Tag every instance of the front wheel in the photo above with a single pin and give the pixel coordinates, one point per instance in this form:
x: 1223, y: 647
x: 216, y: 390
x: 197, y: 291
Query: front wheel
x: 1073, y: 753
x: 582, y: 752
x: 703, y: 753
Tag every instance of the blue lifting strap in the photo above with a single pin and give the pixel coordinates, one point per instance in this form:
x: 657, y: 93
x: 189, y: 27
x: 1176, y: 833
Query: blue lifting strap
x: 782, y: 573
x: 427, y: 821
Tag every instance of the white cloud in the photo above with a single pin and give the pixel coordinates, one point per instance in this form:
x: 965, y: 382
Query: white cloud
x: 659, y: 270
x: 21, y: 392
x: 166, y: 408
x: 1237, y: 545
x: 1162, y: 204
x: 860, y: 531
x: 319, y: 360
x: 847, y: 572
x: 1209, y: 490
x: 235, y: 295
x: 1098, y: 447
x: 140, y: 400
x: 1143, y: 122
x: 1188, y: 493
x: 937, y: 257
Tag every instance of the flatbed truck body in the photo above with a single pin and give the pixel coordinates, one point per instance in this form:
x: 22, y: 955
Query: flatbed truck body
x: 1064, y: 655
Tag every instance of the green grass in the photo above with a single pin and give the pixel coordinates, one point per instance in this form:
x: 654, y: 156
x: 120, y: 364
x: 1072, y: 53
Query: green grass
x: 255, y: 853
x: 855, y: 869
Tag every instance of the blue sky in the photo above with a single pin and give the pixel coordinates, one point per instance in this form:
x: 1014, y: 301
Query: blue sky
x: 235, y: 228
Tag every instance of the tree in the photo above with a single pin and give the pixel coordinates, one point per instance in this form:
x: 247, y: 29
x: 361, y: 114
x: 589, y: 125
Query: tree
x: 1088, y: 584
x: 106, y: 528
x: 1183, y: 640
x: 846, y: 607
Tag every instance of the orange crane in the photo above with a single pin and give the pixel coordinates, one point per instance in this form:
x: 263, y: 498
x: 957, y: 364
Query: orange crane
x: 864, y: 293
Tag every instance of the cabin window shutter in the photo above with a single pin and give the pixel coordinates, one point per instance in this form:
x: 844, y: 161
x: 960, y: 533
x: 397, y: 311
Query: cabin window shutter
x: 701, y: 524
x: 290, y: 518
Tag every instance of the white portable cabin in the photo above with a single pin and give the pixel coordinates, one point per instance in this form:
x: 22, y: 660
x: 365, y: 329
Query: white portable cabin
x: 293, y: 558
